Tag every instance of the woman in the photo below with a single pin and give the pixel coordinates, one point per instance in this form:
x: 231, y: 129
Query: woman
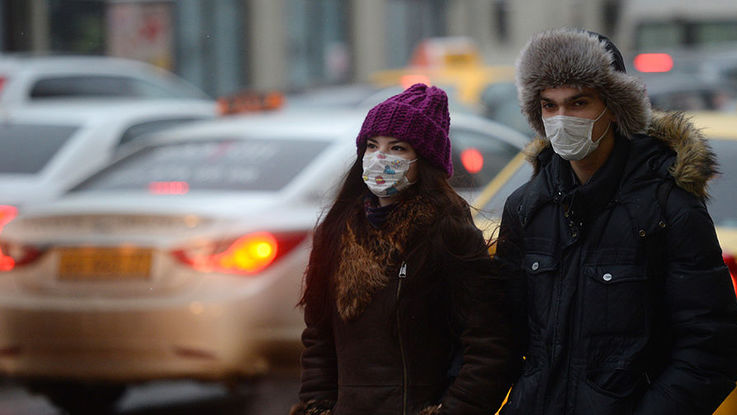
x: 402, y: 303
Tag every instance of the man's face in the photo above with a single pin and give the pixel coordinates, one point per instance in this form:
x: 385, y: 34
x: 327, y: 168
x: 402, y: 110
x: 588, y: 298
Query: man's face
x: 576, y: 102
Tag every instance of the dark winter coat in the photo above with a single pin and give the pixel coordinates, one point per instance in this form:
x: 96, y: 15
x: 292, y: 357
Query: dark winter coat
x: 405, y: 307
x: 626, y: 304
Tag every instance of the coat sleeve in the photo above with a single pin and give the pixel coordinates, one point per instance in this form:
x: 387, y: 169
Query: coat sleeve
x: 319, y: 380
x: 699, y: 300
x: 478, y: 298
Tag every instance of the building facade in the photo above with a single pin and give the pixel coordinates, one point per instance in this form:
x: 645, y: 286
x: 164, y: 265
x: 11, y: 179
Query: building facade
x: 224, y: 46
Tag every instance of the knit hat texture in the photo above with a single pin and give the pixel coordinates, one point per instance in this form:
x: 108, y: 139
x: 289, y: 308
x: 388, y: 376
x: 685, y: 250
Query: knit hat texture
x: 580, y: 59
x: 419, y: 115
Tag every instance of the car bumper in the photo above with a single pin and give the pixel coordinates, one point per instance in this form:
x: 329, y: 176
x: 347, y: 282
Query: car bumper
x: 196, y: 341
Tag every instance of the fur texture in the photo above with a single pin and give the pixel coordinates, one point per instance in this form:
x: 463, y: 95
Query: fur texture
x: 574, y: 58
x: 695, y: 163
x: 367, y: 252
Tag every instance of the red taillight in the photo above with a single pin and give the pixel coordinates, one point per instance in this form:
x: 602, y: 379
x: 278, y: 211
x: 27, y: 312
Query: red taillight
x: 248, y: 254
x: 15, y: 255
x: 472, y: 160
x: 2, y: 83
x: 7, y: 213
x: 653, y: 62
x: 731, y: 263
x: 168, y: 188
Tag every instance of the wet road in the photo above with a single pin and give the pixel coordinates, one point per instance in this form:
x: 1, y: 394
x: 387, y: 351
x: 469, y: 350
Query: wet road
x: 272, y: 395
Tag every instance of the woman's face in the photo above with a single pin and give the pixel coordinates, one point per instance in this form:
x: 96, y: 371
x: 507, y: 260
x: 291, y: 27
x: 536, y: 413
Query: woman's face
x: 390, y: 145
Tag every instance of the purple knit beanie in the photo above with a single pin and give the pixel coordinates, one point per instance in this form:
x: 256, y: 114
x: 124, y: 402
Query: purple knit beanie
x: 419, y: 116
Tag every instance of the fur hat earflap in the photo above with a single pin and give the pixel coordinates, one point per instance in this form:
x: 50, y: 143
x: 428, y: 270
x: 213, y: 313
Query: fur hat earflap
x: 580, y: 59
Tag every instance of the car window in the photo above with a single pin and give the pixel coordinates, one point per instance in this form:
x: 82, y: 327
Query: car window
x: 495, y: 205
x: 224, y: 165
x: 97, y: 86
x: 27, y: 148
x: 723, y: 197
x: 140, y: 129
x: 477, y: 157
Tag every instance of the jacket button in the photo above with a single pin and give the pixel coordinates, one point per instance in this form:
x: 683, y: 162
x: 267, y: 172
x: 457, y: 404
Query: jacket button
x: 535, y: 266
x: 642, y: 233
x: 607, y: 277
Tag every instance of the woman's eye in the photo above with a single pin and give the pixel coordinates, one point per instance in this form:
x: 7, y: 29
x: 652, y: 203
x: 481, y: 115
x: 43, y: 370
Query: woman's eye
x: 371, y: 145
x: 398, y: 148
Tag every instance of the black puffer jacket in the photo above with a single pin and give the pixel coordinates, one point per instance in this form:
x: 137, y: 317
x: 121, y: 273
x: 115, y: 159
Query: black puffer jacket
x: 629, y: 306
x: 389, y: 345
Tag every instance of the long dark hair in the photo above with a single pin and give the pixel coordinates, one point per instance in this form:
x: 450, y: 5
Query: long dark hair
x: 432, y: 184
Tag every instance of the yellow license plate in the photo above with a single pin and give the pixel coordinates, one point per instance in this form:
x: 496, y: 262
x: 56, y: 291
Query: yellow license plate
x: 93, y: 264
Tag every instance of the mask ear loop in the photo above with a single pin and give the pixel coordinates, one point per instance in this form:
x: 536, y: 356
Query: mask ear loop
x: 607, y: 126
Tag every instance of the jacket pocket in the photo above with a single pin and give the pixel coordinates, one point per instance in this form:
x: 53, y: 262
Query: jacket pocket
x: 616, y: 298
x: 609, y: 392
x: 541, y: 271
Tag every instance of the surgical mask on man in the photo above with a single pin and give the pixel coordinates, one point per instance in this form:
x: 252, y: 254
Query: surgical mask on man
x: 571, y: 136
x: 385, y: 174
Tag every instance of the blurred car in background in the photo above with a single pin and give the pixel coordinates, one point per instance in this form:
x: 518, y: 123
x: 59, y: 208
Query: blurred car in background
x: 184, y: 257
x: 29, y: 78
x: 452, y: 63
x: 48, y: 147
x: 721, y: 131
x: 645, y: 25
x: 687, y: 92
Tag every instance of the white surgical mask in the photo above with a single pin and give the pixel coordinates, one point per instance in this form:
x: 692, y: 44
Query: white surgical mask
x: 385, y: 174
x: 571, y: 136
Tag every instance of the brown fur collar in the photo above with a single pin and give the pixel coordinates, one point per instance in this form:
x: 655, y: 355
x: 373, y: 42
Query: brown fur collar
x: 695, y: 162
x: 368, y: 253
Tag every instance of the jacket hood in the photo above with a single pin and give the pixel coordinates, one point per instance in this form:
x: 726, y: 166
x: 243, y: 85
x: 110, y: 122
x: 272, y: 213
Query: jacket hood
x: 694, y: 165
x: 579, y: 59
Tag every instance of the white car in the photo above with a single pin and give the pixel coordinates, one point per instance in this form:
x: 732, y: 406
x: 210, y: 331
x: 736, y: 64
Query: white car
x: 184, y: 257
x: 29, y: 78
x: 48, y: 147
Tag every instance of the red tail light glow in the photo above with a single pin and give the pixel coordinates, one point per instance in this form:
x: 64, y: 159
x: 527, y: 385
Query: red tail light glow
x: 168, y: 188
x: 653, y: 62
x: 472, y: 160
x: 13, y: 256
x: 246, y: 255
x: 7, y: 213
x: 731, y: 263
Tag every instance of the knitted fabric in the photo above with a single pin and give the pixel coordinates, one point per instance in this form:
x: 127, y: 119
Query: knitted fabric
x: 419, y: 116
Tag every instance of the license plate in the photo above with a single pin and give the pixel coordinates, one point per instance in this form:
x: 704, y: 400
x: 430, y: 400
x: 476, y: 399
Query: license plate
x: 93, y: 264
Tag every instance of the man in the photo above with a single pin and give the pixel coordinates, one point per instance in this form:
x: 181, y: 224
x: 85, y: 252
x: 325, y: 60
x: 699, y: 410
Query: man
x: 626, y: 304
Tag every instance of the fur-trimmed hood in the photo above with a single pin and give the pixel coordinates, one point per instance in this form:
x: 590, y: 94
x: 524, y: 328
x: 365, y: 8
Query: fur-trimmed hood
x: 576, y: 58
x: 695, y: 163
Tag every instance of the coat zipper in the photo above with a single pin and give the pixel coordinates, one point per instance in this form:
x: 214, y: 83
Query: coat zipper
x: 402, y: 276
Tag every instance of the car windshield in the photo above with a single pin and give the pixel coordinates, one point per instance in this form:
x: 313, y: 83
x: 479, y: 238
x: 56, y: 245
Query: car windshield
x: 222, y: 165
x: 721, y: 205
x: 29, y: 147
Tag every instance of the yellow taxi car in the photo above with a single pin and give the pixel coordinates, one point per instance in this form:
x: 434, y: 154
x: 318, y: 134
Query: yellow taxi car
x: 721, y: 131
x: 454, y: 63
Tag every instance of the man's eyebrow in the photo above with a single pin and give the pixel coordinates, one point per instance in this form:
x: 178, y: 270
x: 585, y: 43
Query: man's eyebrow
x: 569, y: 99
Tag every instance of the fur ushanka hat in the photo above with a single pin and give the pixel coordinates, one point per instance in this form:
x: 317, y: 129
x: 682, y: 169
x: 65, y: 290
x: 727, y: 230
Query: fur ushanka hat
x: 578, y: 58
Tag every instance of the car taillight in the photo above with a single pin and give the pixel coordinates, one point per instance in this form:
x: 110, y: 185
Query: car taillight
x: 731, y: 263
x: 653, y: 62
x: 7, y: 213
x: 472, y: 160
x: 14, y: 255
x: 248, y: 254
